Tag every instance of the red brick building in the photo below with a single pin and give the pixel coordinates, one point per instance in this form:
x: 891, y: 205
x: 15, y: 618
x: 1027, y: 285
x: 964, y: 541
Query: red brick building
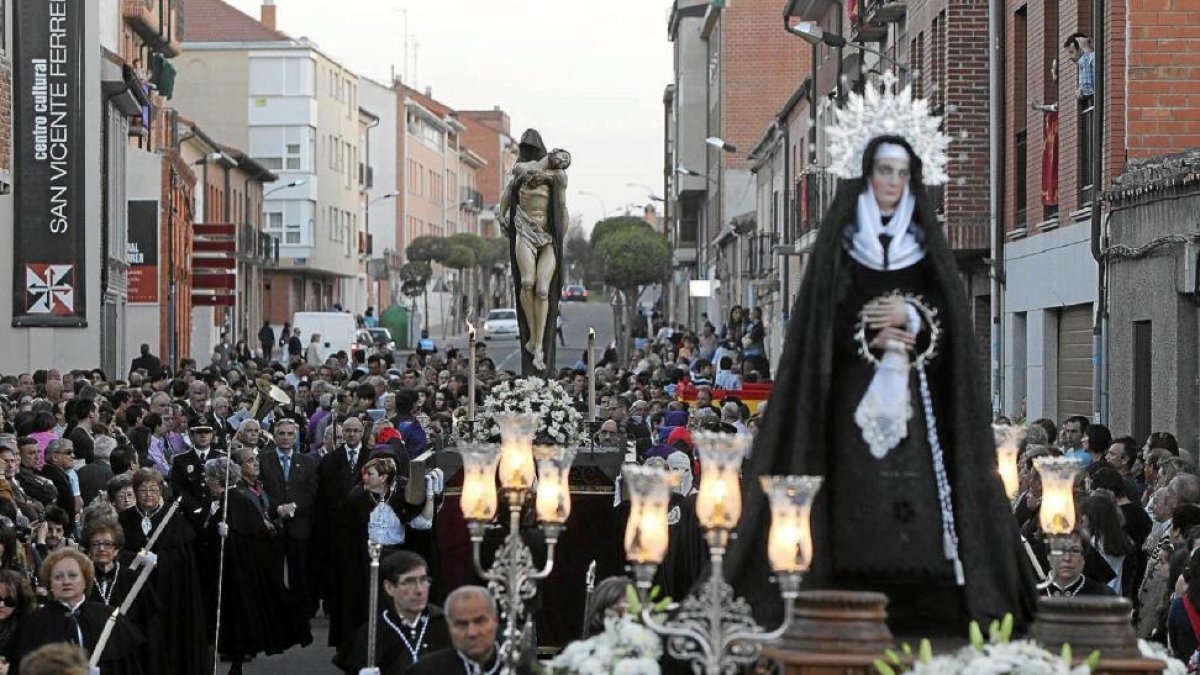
x: 489, y: 134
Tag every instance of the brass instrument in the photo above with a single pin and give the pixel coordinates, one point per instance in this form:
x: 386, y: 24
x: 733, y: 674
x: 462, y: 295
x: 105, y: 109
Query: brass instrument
x: 267, y: 398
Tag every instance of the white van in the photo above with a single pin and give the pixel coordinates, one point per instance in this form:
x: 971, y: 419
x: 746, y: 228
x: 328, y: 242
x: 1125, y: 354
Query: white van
x: 338, y: 331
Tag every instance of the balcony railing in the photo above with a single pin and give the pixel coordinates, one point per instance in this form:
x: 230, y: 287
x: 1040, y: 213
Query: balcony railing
x: 967, y: 236
x: 256, y: 246
x: 762, y: 259
x: 156, y: 21
x: 470, y: 199
x: 885, y: 11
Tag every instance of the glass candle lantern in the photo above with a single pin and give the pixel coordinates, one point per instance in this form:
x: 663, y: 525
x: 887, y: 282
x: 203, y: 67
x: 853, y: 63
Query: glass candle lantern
x: 479, y: 482
x: 789, y: 544
x: 719, y: 503
x: 649, y: 496
x: 1057, y: 513
x: 516, y: 450
x: 553, y: 491
x: 1008, y: 446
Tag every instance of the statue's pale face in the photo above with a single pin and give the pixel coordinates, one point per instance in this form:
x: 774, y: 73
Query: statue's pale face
x: 888, y: 179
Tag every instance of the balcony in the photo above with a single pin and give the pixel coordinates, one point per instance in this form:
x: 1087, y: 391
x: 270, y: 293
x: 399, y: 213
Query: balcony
x: 862, y: 30
x: 885, y: 11
x: 256, y: 247
x: 470, y: 200
x: 156, y: 22
x: 967, y: 237
x: 809, y: 10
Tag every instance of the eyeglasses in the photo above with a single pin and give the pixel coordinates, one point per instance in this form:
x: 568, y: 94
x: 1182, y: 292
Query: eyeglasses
x: 1073, y: 550
x: 148, y: 490
x: 8, y: 601
x: 413, y: 582
x: 68, y: 453
x: 103, y: 545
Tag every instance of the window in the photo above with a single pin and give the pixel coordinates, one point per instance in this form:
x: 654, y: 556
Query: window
x: 1020, y: 121
x: 283, y: 148
x: 282, y: 76
x: 292, y: 161
x: 274, y: 222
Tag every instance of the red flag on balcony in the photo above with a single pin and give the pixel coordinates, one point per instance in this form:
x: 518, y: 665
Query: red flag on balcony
x: 1050, y: 159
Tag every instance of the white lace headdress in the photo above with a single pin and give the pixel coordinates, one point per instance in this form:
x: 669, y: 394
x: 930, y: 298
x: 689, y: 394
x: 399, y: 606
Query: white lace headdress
x: 882, y: 112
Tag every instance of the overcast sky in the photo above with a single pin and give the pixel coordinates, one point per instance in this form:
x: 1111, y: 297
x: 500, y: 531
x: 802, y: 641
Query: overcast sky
x: 588, y: 74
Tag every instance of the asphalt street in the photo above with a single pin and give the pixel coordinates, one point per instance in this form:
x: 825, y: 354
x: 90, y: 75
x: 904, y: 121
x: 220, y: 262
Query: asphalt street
x: 577, y: 317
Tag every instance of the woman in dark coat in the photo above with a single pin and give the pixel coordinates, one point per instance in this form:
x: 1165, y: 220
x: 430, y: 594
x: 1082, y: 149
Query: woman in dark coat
x: 258, y: 614
x: 176, y: 578
x: 71, y: 617
x: 114, y: 580
x: 377, y: 509
x: 16, y: 602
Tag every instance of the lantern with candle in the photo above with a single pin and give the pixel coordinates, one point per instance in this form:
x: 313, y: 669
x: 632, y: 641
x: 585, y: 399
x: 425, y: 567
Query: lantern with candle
x: 553, y: 490
x: 1057, y: 512
x: 479, y: 482
x: 719, y: 503
x: 1008, y: 447
x: 646, y: 531
x: 789, y: 543
x: 516, y: 451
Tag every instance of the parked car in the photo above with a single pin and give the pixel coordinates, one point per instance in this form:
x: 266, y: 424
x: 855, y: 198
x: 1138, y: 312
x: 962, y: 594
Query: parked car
x: 501, y: 323
x: 370, y: 338
x: 574, y: 293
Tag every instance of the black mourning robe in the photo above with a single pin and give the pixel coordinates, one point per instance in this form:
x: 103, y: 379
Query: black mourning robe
x: 392, y: 655
x: 176, y: 579
x: 258, y: 614
x: 347, y: 598
x: 145, y: 612
x: 805, y: 431
x: 49, y: 624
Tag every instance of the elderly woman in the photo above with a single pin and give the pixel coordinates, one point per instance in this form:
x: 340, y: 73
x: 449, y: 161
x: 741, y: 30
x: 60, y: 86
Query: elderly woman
x: 71, y: 617
x: 120, y: 492
x: 176, y: 579
x: 258, y: 615
x: 609, y: 600
x: 102, y: 541
x: 376, y: 510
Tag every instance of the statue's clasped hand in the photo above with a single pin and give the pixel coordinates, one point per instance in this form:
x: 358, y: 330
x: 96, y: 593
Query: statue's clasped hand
x: 889, y: 316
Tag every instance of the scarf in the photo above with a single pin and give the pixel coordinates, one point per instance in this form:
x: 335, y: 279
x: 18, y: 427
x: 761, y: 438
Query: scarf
x: 865, y: 247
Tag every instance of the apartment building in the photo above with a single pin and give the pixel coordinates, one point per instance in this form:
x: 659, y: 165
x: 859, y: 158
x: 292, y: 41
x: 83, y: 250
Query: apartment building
x: 488, y: 133
x: 296, y: 111
x: 735, y: 67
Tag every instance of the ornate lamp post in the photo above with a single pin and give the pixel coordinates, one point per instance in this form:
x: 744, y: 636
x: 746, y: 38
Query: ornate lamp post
x: 712, y: 629
x: 513, y: 575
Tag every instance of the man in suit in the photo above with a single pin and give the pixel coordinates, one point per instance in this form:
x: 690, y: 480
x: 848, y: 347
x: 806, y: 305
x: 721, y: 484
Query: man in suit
x: 187, y: 468
x: 290, y: 480
x: 94, y: 477
x: 337, y: 474
x: 148, y: 362
x: 60, y: 456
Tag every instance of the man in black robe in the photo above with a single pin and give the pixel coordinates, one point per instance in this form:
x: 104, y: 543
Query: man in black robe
x: 473, y: 620
x: 880, y: 524
x: 408, y: 627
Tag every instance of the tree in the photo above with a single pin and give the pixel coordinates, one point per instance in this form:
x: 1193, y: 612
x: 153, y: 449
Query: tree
x: 610, y: 225
x: 427, y: 249
x: 495, y: 264
x: 632, y: 257
x: 578, y: 251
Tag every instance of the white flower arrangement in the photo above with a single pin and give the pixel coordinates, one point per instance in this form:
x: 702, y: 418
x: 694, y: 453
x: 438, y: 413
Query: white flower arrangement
x: 559, y: 423
x: 624, y: 648
x: 1157, y: 652
x: 998, y: 655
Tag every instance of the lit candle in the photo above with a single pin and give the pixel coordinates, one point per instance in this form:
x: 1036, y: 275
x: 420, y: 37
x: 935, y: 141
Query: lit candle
x: 1008, y: 446
x: 478, y: 499
x: 470, y: 372
x: 789, y: 543
x: 649, y: 496
x: 553, y: 490
x: 591, y: 364
x: 719, y: 503
x: 1057, y: 512
x: 516, y: 450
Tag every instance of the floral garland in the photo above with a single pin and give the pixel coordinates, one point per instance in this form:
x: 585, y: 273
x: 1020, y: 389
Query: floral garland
x: 624, y: 648
x: 559, y: 423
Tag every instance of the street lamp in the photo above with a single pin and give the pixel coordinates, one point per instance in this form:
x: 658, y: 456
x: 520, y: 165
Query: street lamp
x: 684, y: 171
x: 651, y: 196
x: 721, y: 144
x: 390, y: 195
x: 295, y: 183
x: 813, y: 34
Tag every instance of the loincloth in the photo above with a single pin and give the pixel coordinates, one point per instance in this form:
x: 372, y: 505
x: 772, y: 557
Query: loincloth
x: 527, y: 230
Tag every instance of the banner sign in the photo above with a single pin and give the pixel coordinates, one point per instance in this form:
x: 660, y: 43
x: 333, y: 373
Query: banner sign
x: 1050, y: 159
x: 49, y: 219
x: 141, y: 252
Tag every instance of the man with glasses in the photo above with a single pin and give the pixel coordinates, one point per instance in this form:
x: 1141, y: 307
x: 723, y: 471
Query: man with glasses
x: 408, y: 627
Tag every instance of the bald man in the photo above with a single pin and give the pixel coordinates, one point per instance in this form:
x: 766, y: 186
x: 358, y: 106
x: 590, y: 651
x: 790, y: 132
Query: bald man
x: 473, y: 619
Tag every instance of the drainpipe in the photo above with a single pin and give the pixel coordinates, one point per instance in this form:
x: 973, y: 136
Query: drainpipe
x: 1099, y: 332
x: 996, y: 197
x: 785, y: 295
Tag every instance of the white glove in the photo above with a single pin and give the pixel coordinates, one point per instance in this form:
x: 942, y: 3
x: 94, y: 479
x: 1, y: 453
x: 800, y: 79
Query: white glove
x: 435, y: 482
x: 145, y: 558
x: 368, y: 671
x: 223, y: 529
